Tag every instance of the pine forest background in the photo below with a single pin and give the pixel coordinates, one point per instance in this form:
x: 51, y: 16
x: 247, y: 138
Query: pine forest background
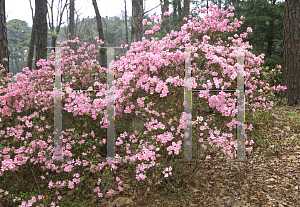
x: 265, y: 17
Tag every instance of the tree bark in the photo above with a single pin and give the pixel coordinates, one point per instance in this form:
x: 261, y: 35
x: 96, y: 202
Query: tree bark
x: 41, y: 10
x: 100, y: 31
x: 174, y: 3
x: 207, y: 6
x: 32, y: 15
x: 219, y: 4
x: 186, y: 8
x: 105, y: 30
x: 31, y: 46
x: 165, y: 19
x: 4, y: 53
x: 180, y: 12
x: 126, y: 23
x: 137, y: 19
x: 71, y: 26
x: 177, y: 15
x: 291, y: 53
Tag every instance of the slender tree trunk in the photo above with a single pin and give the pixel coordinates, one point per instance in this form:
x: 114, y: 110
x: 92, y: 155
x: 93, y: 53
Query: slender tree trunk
x: 23, y: 60
x: 207, y: 6
x: 41, y: 10
x: 174, y: 14
x: 4, y: 53
x: 186, y: 8
x: 100, y: 31
x: 137, y: 19
x: 51, y: 26
x: 126, y: 23
x: 32, y: 15
x: 71, y: 22
x: 17, y: 66
x: 291, y: 53
x: 31, y: 46
x: 180, y: 12
x: 72, y: 11
x: 105, y: 31
x: 165, y: 19
x: 53, y: 42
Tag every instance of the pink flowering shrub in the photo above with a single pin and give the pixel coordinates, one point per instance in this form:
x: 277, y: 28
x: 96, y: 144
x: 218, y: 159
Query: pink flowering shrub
x: 145, y: 78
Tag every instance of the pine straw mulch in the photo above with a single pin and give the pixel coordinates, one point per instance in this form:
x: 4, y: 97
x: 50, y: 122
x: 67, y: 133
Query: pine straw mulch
x: 270, y: 180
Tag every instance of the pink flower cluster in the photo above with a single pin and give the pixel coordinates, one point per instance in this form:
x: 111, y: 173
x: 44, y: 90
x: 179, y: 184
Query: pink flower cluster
x: 137, y: 73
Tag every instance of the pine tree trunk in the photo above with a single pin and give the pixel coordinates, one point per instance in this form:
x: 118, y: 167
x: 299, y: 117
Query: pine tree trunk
x: 165, y: 19
x: 31, y: 45
x: 100, y: 31
x: 137, y: 18
x: 72, y: 11
x: 291, y: 53
x: 41, y: 10
x: 4, y: 53
x: 71, y: 27
x: 126, y: 23
x: 186, y: 8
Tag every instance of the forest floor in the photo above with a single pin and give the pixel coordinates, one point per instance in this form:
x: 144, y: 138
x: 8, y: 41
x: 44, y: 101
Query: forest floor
x: 272, y: 179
